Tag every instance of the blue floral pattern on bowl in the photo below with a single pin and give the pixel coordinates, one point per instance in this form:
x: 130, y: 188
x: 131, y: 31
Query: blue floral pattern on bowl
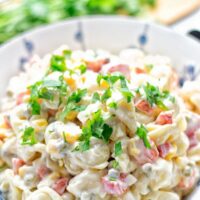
x: 29, y: 47
x: 190, y: 73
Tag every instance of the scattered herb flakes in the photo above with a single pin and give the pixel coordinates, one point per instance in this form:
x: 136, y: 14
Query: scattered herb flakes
x: 118, y: 148
x: 57, y: 63
x: 95, y: 127
x: 106, y: 95
x: 72, y: 103
x: 28, y: 136
x: 95, y: 97
x: 142, y: 134
x: 83, y: 146
x: 115, y: 164
x: 67, y: 53
x: 155, y: 96
x: 35, y: 107
x: 113, y: 105
x: 82, y: 68
x: 127, y: 94
x: 111, y: 79
x: 45, y: 89
x: 77, y: 95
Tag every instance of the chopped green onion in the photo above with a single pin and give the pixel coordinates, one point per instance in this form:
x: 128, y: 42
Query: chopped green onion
x: 118, y: 148
x: 142, y: 133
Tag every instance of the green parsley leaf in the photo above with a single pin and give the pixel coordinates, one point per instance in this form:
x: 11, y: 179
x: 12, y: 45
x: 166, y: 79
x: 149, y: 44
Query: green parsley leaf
x: 113, y: 105
x: 35, y: 107
x: 155, y: 96
x: 82, y: 68
x: 77, y: 96
x: 83, y: 146
x: 115, y: 164
x: 45, y: 93
x: 45, y: 89
x: 28, y: 136
x: 118, y: 148
x: 98, y: 128
x: 67, y: 53
x: 57, y: 63
x: 111, y: 79
x: 95, y: 127
x: 107, y: 132
x: 142, y: 133
x: 106, y: 95
x: 95, y: 97
x: 71, y: 104
x: 127, y: 94
x: 99, y: 77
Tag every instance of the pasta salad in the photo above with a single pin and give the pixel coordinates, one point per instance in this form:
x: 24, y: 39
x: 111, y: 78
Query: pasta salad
x: 90, y: 125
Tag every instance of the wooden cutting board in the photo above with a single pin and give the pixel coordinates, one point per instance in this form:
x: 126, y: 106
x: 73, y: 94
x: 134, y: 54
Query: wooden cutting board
x: 169, y: 11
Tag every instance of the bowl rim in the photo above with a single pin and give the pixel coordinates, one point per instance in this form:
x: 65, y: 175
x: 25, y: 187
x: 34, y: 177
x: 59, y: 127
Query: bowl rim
x: 89, y: 18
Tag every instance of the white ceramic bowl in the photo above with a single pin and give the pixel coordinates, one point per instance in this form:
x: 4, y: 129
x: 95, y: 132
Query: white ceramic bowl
x: 110, y: 33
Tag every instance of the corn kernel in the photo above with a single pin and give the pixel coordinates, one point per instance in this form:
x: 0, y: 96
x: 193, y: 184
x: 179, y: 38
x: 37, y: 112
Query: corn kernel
x: 71, y: 82
x: 71, y: 138
x: 83, y: 79
x: 72, y: 115
x: 41, y: 122
x: 126, y: 106
x: 104, y: 84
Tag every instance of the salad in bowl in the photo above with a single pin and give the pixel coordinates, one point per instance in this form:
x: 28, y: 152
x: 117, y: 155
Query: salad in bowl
x: 92, y: 125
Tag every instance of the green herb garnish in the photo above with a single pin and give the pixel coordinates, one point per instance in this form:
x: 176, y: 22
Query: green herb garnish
x: 155, y: 96
x: 57, y: 63
x: 45, y: 89
x: 28, y: 136
x: 67, y: 53
x: 72, y: 103
x: 95, y: 127
x: 142, y: 133
x: 106, y: 95
x: 118, y: 148
x: 95, y: 97
x: 82, y: 68
x: 113, y: 105
x: 112, y: 79
x: 115, y: 164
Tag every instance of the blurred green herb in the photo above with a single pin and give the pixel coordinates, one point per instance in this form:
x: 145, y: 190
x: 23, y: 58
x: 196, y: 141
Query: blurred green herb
x: 19, y: 17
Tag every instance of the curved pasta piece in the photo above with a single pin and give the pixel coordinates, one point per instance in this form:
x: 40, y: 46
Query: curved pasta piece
x: 44, y: 193
x: 8, y: 187
x: 29, y: 153
x: 126, y: 164
x: 88, y: 181
x: 58, y: 136
x: 162, y: 195
x: 94, y: 158
x: 162, y: 133
x: 19, y: 117
x: 194, y: 153
x: 126, y: 114
x: 8, y: 150
x: 165, y: 173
